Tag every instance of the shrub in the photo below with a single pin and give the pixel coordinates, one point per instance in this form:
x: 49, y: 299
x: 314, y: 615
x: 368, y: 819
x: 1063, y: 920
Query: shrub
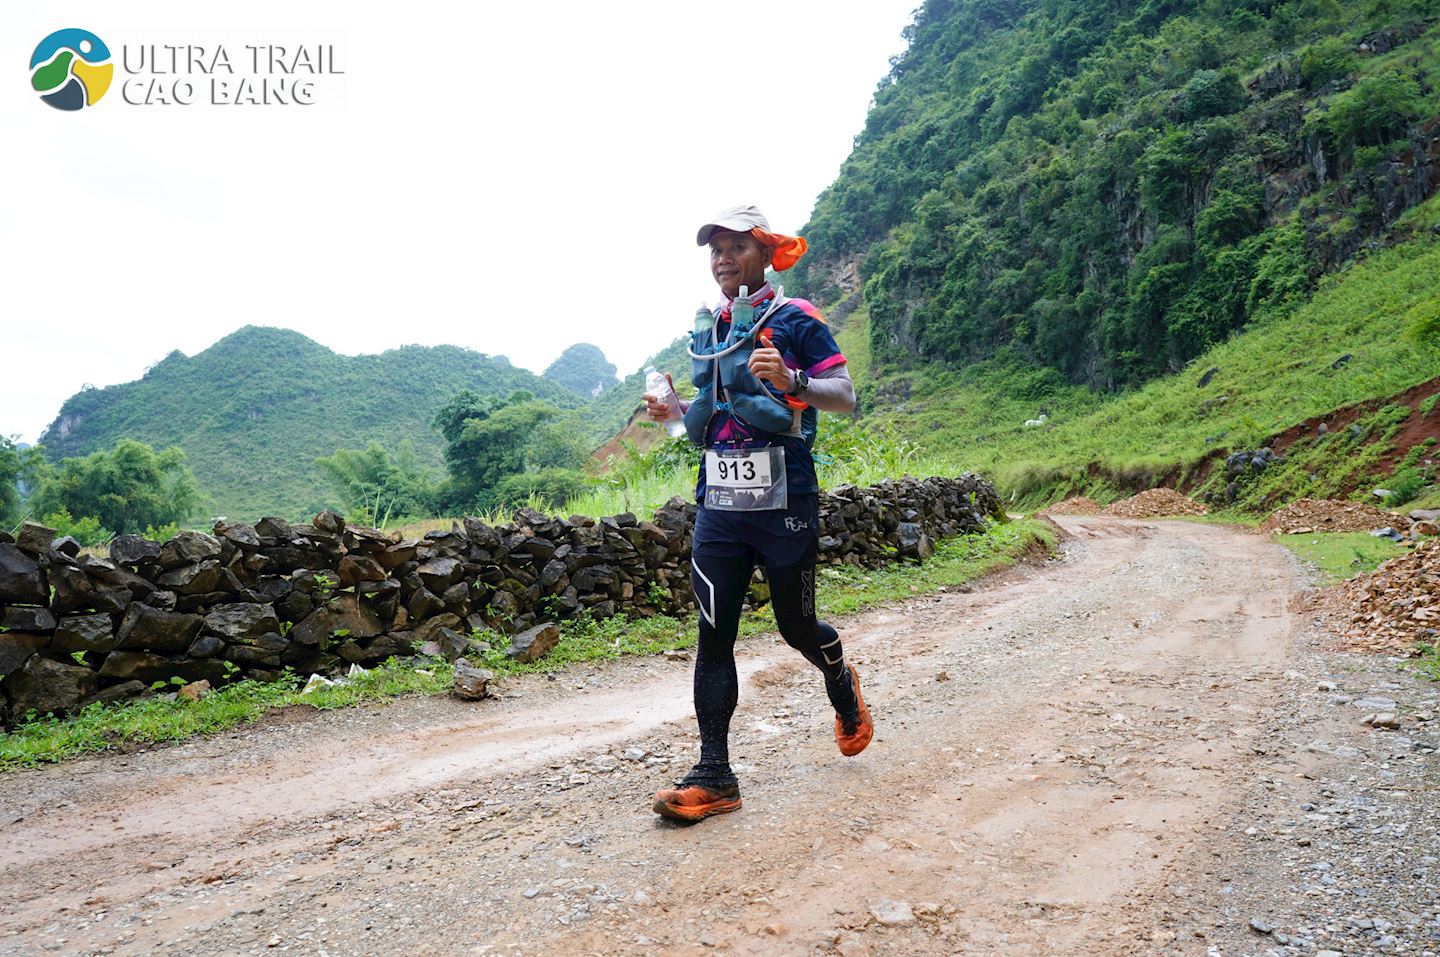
x: 1327, y: 60
x: 87, y: 530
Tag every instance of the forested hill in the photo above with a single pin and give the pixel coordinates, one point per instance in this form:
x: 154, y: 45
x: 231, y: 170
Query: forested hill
x: 1109, y: 187
x: 583, y: 369
x: 256, y: 409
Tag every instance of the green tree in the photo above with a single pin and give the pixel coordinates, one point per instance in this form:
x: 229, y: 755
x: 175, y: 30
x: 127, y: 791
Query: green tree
x: 127, y: 488
x: 1370, y: 112
x: 1329, y: 59
x: 10, y: 469
x: 488, y: 440
x: 376, y: 487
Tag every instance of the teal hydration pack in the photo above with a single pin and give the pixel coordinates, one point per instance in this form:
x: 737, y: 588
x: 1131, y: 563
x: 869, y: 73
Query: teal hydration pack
x: 721, y: 373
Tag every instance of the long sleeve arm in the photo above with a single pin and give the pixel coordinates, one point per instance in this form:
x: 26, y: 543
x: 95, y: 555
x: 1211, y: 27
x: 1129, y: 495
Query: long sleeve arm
x: 831, y: 390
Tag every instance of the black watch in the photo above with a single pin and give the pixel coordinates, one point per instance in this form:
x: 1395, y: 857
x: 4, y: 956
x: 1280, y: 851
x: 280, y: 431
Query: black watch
x: 802, y: 382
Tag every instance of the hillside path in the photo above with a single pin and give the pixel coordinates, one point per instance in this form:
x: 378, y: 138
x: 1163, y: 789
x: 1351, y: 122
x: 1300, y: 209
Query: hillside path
x: 1106, y: 753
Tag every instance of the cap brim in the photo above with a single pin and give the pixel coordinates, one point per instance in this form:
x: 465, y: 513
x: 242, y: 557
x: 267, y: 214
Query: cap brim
x: 708, y: 231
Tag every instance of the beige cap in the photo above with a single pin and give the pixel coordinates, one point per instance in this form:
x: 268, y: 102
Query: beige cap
x: 739, y: 219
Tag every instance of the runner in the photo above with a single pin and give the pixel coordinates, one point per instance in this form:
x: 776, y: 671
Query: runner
x: 755, y: 414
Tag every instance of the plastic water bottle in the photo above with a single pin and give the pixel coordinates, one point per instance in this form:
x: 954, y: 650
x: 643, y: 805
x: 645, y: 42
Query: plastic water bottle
x: 704, y: 320
x: 659, y: 386
x: 742, y: 314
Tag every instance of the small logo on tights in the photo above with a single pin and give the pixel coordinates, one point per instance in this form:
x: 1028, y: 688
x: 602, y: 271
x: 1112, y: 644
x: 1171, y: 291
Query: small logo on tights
x: 796, y: 524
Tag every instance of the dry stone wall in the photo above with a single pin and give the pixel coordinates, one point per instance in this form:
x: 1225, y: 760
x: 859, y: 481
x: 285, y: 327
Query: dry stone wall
x: 251, y: 601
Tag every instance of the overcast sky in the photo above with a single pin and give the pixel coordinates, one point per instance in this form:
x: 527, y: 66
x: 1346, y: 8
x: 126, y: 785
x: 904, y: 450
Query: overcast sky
x: 510, y: 178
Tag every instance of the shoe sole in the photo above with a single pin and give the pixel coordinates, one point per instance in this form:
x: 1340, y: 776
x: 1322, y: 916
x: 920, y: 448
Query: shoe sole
x: 865, y: 718
x: 697, y: 813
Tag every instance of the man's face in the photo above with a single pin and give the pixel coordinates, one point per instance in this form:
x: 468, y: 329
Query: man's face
x: 738, y: 259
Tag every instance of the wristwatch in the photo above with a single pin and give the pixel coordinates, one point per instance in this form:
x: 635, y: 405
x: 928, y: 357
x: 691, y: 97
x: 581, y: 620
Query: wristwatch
x: 802, y: 382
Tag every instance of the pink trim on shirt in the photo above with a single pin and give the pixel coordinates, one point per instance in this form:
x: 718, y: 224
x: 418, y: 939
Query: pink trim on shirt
x: 838, y: 359
x: 807, y: 307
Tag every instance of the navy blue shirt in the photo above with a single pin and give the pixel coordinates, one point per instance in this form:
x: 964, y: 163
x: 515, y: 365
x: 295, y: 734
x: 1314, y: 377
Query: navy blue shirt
x: 805, y: 341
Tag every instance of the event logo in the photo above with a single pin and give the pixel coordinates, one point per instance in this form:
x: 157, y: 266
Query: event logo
x: 71, y: 69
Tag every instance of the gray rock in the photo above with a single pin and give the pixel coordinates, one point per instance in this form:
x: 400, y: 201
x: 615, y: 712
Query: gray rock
x: 34, y: 538
x: 891, y: 913
x: 240, y: 535
x: 188, y: 548
x: 395, y: 644
x: 424, y: 603
x: 205, y: 646
x: 123, y: 691
x: 16, y: 647
x: 471, y: 683
x: 430, y: 629
x: 347, y: 613
x: 156, y: 630
x: 22, y: 581
x: 192, y: 579
x: 242, y: 622
x: 439, y: 574
x: 27, y: 618
x: 534, y: 643
x: 84, y: 633
x: 134, y: 550
x: 149, y: 667
x: 47, y: 686
x: 66, y: 546
x: 359, y: 568
x: 553, y: 571
x: 330, y: 522
x: 73, y: 590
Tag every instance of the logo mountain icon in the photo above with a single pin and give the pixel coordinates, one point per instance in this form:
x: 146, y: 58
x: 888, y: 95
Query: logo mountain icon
x: 71, y: 69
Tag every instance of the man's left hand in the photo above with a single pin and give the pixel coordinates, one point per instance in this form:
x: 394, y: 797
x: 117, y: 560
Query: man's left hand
x: 768, y: 364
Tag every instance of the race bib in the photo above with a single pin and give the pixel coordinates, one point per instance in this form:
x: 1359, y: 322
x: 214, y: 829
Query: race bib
x: 745, y: 480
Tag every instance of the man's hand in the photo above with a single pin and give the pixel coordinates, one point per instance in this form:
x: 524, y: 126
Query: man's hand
x: 767, y: 364
x: 657, y: 410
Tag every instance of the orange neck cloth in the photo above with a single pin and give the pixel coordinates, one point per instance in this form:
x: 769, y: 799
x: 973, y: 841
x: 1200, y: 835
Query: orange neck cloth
x: 788, y: 249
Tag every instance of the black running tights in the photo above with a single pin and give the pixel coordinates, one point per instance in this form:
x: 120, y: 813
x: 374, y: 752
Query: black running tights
x: 720, y: 585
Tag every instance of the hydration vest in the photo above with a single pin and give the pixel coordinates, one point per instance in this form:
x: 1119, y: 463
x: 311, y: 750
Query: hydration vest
x: 721, y: 373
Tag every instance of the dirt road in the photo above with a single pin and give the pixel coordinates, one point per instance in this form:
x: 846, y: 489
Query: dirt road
x: 1070, y: 759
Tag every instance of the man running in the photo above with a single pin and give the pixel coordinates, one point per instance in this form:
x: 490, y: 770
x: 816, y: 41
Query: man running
x: 757, y: 491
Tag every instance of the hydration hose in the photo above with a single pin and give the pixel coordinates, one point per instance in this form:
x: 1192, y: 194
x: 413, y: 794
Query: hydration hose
x: 751, y: 333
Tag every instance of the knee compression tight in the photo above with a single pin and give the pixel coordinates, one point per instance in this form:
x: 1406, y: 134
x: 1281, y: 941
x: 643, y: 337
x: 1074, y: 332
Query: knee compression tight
x: 720, y: 585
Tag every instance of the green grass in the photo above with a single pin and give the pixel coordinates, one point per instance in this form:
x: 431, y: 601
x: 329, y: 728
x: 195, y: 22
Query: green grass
x: 1336, y: 556
x: 842, y: 590
x: 154, y: 720
x: 1275, y: 373
x: 1428, y: 664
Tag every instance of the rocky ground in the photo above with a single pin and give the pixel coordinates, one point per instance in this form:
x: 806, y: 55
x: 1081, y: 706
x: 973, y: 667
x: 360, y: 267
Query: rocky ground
x: 1138, y: 749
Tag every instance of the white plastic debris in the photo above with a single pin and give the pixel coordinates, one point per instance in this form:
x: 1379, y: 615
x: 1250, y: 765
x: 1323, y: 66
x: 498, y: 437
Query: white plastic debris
x: 316, y: 681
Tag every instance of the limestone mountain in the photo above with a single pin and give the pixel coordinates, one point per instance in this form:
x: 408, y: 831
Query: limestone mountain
x: 1108, y: 189
x: 255, y: 410
x: 583, y: 369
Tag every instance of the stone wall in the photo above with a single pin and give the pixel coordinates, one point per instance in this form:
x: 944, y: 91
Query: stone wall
x: 250, y: 601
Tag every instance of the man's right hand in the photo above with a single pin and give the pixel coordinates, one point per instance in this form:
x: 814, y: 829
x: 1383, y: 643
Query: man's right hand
x: 656, y: 409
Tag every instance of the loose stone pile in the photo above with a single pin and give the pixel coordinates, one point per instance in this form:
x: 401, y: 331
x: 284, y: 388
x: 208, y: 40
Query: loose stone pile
x: 1396, y: 606
x: 1078, y: 505
x: 1155, y: 503
x: 250, y: 601
x: 1325, y: 515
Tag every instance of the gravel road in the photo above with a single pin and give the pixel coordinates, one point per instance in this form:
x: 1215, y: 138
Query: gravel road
x: 1139, y: 748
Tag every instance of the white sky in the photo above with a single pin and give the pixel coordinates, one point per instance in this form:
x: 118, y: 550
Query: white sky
x: 510, y: 178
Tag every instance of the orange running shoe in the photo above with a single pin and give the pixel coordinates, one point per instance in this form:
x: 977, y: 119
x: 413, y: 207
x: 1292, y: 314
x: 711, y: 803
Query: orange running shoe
x: 853, y: 739
x: 695, y: 802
